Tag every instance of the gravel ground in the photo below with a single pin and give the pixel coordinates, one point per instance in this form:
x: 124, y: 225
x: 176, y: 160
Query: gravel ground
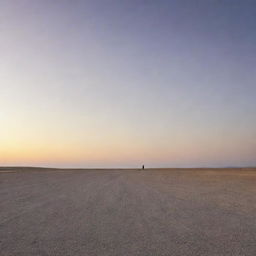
x: 127, y: 212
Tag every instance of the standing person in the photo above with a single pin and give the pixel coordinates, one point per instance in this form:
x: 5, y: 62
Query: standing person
x: 143, y: 167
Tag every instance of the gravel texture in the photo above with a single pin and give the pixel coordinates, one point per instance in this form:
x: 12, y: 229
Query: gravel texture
x: 127, y: 212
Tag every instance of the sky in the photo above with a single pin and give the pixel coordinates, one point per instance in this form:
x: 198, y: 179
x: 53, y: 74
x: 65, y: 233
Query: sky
x: 115, y: 83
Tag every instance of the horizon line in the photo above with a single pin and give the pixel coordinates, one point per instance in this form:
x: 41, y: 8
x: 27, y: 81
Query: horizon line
x: 124, y: 168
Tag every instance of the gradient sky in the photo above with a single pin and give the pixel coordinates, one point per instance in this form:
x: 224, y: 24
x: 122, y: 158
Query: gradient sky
x: 122, y: 83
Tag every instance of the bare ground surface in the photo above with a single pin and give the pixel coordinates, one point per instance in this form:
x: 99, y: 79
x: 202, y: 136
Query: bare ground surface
x: 127, y: 212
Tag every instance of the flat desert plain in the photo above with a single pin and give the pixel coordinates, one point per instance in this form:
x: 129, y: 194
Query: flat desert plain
x: 127, y: 212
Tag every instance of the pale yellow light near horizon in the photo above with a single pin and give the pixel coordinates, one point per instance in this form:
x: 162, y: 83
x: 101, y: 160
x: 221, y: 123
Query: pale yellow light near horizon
x: 35, y: 138
x: 69, y: 141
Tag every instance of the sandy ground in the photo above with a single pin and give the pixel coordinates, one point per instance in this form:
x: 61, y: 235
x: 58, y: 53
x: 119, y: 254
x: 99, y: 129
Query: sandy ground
x: 127, y: 212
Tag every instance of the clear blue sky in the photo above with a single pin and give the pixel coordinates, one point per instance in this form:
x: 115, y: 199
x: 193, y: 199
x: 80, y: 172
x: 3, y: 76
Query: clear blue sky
x: 121, y: 83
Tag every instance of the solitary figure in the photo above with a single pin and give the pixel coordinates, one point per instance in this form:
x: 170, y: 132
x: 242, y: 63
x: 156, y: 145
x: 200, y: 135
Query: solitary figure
x: 143, y: 167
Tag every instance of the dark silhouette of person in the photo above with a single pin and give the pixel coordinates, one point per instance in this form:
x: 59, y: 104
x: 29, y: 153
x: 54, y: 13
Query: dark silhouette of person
x: 143, y: 167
